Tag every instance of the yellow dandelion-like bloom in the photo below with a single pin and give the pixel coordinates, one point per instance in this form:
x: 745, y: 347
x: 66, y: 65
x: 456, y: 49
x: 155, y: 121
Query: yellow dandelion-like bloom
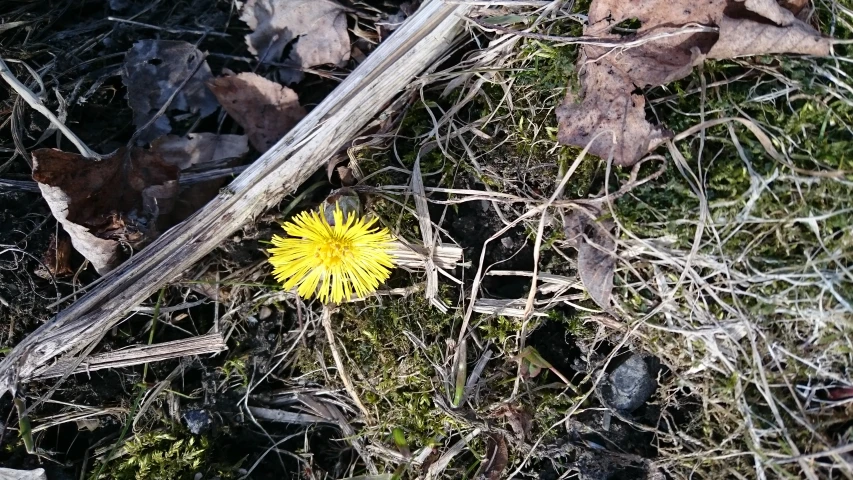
x: 331, y: 261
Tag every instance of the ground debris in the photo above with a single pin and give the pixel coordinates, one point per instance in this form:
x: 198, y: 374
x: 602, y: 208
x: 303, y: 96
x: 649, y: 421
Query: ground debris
x: 496, y: 460
x: 317, y: 30
x: 56, y: 261
x: 200, y: 149
x: 126, y: 199
x: 153, y: 71
x: 266, y: 110
x: 630, y: 385
x: 107, y: 203
x: 673, y: 38
x: 596, y: 253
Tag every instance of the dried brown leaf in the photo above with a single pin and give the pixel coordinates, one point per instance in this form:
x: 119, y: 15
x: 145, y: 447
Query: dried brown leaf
x: 153, y: 71
x: 610, y: 75
x: 200, y: 149
x: 596, y: 253
x: 56, y: 261
x: 318, y: 26
x: 497, y: 458
x: 106, y: 204
x: 596, y: 265
x: 266, y: 110
x: 520, y: 421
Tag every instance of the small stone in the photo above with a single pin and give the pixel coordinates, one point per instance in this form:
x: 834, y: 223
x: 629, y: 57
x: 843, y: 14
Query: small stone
x: 265, y: 312
x: 630, y: 385
x: 198, y: 420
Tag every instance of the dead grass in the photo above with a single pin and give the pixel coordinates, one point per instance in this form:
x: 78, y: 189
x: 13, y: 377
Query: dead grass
x: 733, y: 270
x: 733, y: 265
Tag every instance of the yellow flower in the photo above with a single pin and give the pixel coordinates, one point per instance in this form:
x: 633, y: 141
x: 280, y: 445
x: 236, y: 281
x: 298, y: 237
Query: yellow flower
x: 331, y: 261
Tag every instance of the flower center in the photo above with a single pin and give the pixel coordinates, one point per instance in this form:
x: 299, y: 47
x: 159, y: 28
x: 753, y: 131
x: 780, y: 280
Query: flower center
x: 334, y: 252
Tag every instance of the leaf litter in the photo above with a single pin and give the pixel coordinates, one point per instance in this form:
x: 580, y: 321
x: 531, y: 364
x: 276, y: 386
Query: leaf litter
x: 125, y: 200
x: 200, y: 149
x: 109, y: 204
x: 265, y: 109
x: 154, y: 71
x: 674, y: 36
x: 118, y: 204
x: 315, y: 31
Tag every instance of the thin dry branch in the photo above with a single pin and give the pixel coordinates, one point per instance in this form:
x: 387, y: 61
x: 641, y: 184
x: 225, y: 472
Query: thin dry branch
x: 419, y: 42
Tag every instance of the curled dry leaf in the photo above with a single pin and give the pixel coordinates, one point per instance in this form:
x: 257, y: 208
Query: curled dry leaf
x: 266, y: 110
x: 596, y: 253
x: 520, y: 421
x: 106, y: 204
x: 610, y: 74
x: 153, y: 70
x: 319, y: 28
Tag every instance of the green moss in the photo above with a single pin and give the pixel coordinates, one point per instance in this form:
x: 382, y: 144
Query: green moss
x: 159, y: 455
x: 394, y: 376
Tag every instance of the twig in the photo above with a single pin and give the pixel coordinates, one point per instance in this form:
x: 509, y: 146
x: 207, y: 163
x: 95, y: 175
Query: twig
x: 28, y: 96
x: 339, y: 364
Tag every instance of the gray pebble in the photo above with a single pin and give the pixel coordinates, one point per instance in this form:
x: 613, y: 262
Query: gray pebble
x: 630, y: 385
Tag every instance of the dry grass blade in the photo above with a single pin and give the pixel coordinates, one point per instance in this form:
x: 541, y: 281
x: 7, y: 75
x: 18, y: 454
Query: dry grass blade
x: 441, y: 464
x: 339, y: 363
x: 36, y: 104
x: 428, y: 238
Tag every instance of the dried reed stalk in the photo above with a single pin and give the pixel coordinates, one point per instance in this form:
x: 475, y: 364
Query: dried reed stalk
x: 210, y: 343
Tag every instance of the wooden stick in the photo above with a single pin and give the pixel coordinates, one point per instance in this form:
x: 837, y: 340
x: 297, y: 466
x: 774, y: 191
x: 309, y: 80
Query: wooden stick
x: 419, y: 42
